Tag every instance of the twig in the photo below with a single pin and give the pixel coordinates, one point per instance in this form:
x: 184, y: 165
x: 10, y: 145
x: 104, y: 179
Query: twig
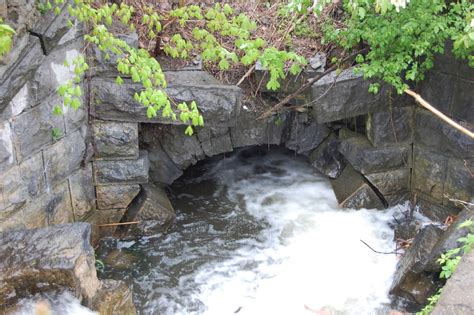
x: 442, y: 116
x: 117, y: 224
x: 383, y: 253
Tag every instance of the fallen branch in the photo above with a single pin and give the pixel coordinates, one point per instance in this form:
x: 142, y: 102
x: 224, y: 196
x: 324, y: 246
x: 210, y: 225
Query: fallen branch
x: 117, y: 224
x: 442, y: 116
x: 383, y: 253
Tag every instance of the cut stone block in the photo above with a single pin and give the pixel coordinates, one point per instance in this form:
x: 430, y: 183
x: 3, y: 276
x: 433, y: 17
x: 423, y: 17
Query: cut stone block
x: 459, y: 182
x: 52, y: 258
x: 116, y: 196
x: 114, y: 298
x: 123, y: 171
x: 392, y: 127
x: 113, y: 140
x: 390, y: 182
x: 432, y: 208
x: 99, y: 217
x: 305, y: 134
x: 327, y: 159
x: 183, y: 150
x: 429, y: 172
x: 7, y: 155
x: 215, y: 141
x: 352, y: 191
x: 367, y: 159
x: 81, y: 185
x: 348, y: 97
x: 153, y: 211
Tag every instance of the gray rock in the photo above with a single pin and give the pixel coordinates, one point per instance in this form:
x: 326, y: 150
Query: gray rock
x: 459, y: 182
x: 327, y: 159
x: 219, y: 104
x: 436, y: 135
x: 390, y: 182
x: 116, y: 196
x: 457, y: 297
x: 25, y: 58
x: 409, y: 280
x: 39, y: 260
x: 432, y: 208
x: 215, y: 141
x: 162, y: 168
x: 152, y: 209
x: 114, y: 298
x: 99, y: 217
x: 123, y: 171
x: 64, y: 157
x: 429, y: 172
x: 352, y: 191
x: 391, y: 127
x: 367, y: 159
x: 182, y: 149
x: 7, y: 154
x: 81, y: 185
x: 113, y: 140
x: 348, y: 97
x: 305, y: 134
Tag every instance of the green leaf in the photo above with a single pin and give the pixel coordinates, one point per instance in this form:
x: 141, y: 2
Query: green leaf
x: 189, y: 131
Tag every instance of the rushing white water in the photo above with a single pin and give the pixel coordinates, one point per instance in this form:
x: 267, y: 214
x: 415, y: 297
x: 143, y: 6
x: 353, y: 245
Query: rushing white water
x: 262, y: 234
x: 53, y: 303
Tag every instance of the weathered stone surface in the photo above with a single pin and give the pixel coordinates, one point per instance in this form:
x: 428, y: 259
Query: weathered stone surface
x: 436, y: 135
x: 390, y: 182
x: 81, y: 185
x: 152, y: 209
x: 21, y: 183
x: 114, y: 298
x: 64, y: 157
x: 162, y: 168
x: 250, y: 131
x: 432, y: 208
x: 123, y: 171
x: 218, y: 103
x: 459, y: 182
x: 7, y: 155
x: 367, y: 159
x: 33, y: 129
x: 113, y: 140
x: 327, y: 159
x: 116, y: 196
x: 449, y: 240
x: 17, y: 105
x: 215, y: 140
x: 349, y: 97
x: 104, y: 217
x: 391, y: 127
x: 45, y: 259
x: 353, y: 192
x: 183, y: 150
x: 429, y: 172
x: 457, y: 297
x: 409, y: 280
x: 305, y: 134
x: 25, y: 58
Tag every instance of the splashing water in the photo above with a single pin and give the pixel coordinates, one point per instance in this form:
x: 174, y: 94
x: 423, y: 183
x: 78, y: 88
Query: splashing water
x: 260, y: 233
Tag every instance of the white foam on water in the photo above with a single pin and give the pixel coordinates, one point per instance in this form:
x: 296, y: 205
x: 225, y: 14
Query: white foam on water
x: 54, y: 303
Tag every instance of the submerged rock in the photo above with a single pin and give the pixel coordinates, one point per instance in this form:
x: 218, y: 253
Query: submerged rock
x: 39, y: 260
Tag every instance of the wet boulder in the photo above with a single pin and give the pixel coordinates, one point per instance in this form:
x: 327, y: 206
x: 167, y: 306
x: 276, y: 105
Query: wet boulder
x: 39, y: 260
x: 114, y: 298
x: 410, y: 279
x: 327, y: 159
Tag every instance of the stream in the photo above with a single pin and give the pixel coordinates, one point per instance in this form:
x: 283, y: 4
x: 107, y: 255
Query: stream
x: 258, y: 232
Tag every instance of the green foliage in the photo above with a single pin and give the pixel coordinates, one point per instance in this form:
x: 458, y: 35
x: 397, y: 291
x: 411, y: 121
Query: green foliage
x: 450, y: 260
x: 6, y: 35
x: 56, y: 133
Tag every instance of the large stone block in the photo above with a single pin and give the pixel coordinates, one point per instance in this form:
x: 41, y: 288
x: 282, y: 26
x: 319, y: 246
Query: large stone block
x: 429, y: 172
x: 162, y: 168
x: 81, y: 185
x: 215, y: 141
x: 391, y: 127
x: 305, y: 134
x: 7, y: 155
x: 459, y: 182
x: 99, y: 217
x: 327, y: 159
x: 219, y: 104
x: 113, y: 140
x: 436, y: 135
x: 25, y: 58
x: 116, y: 196
x: 114, y: 298
x: 409, y: 280
x: 368, y: 159
x: 64, y: 157
x: 123, y: 171
x: 17, y: 105
x: 250, y: 131
x: 153, y: 211
x: 34, y: 128
x: 391, y: 182
x: 344, y: 95
x: 184, y: 150
x: 352, y: 191
x: 40, y: 260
